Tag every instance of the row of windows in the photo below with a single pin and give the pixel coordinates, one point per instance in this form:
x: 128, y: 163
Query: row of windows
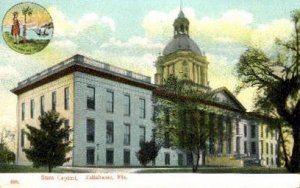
x: 252, y: 131
x: 42, y: 104
x: 272, y: 161
x: 66, y: 126
x: 90, y: 132
x: 90, y: 157
x: 253, y: 147
x: 269, y: 148
x: 91, y: 102
x: 268, y: 132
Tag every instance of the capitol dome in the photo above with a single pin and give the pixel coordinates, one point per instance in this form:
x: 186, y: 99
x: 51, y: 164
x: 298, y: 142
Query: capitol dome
x: 181, y: 40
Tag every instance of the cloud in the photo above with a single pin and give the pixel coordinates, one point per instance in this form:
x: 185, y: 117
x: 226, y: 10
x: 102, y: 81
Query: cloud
x: 88, y: 28
x: 133, y: 46
x: 221, y: 73
x: 233, y: 26
x: 263, y: 36
x: 8, y: 72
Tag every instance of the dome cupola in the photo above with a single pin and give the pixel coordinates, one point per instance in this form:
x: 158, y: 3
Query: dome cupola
x: 181, y: 39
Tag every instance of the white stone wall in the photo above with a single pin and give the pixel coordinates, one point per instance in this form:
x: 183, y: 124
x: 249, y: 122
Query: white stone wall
x: 101, y: 116
x: 266, y: 158
x: 58, y: 85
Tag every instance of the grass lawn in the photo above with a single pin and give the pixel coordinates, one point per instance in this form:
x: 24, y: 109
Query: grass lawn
x: 30, y: 47
x: 245, y: 170
x: 29, y: 169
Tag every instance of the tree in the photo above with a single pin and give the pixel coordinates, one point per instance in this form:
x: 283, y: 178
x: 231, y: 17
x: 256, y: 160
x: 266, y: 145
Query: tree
x: 148, y: 152
x: 26, y: 12
x: 277, y: 79
x: 179, y: 121
x: 48, y: 145
x: 6, y: 156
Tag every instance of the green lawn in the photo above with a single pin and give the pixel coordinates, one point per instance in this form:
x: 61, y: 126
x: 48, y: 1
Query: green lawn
x: 29, y: 169
x: 30, y: 47
x: 245, y: 170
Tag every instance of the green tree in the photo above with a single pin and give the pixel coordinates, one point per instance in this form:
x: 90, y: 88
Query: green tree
x: 148, y: 152
x: 179, y: 121
x: 277, y: 79
x: 48, y: 145
x: 26, y: 12
x: 6, y: 156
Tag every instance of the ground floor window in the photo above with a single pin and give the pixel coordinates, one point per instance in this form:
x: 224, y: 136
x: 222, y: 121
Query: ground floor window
x: 126, y: 157
x: 167, y: 159
x: 90, y: 156
x: 245, y: 147
x: 253, y: 148
x: 180, y: 159
x: 109, y: 156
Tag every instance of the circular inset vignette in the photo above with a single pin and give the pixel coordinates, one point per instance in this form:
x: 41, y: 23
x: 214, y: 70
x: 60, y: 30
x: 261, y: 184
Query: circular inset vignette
x: 27, y: 28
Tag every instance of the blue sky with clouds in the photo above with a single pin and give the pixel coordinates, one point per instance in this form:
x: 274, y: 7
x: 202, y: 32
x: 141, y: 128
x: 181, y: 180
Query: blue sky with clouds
x: 131, y: 33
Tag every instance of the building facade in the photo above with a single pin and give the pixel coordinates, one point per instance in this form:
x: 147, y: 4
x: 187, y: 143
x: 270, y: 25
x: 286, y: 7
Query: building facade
x: 110, y: 110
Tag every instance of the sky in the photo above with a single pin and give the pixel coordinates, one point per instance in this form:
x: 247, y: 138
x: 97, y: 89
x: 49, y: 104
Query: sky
x: 132, y: 33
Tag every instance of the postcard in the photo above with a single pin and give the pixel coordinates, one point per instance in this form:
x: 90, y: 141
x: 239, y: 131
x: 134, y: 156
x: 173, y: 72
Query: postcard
x: 132, y: 93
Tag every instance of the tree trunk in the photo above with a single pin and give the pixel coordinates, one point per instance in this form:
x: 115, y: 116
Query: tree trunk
x: 295, y: 159
x: 282, y: 141
x: 203, y: 157
x: 24, y: 30
x: 49, y: 168
x: 195, y: 166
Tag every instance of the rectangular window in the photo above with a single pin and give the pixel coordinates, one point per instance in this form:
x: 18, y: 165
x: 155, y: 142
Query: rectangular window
x: 54, y: 100
x: 127, y: 134
x: 271, y: 145
x: 42, y: 105
x: 67, y: 98
x: 109, y: 101
x: 90, y: 156
x: 167, y: 159
x: 253, y: 148
x: 66, y: 125
x: 245, y: 130
x: 267, y: 148
x: 32, y: 108
x: 126, y: 105
x: 267, y: 132
x: 90, y: 101
x: 109, y: 132
x: 238, y: 140
x: 272, y: 134
x: 180, y: 159
x: 126, y: 157
x: 23, y: 111
x: 142, y: 135
x: 22, y: 137
x: 252, y: 131
x: 237, y: 127
x: 262, y: 147
x: 245, y: 147
x: 90, y: 130
x: 142, y: 108
x: 109, y: 156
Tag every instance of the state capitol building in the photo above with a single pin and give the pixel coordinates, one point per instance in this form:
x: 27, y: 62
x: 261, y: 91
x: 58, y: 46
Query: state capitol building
x: 110, y: 110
